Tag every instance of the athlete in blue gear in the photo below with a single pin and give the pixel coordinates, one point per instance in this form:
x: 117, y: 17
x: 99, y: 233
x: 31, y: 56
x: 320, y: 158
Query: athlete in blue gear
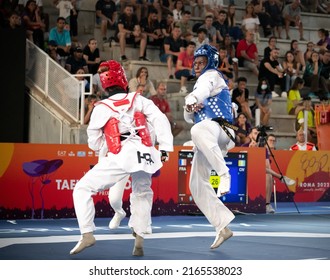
x: 209, y: 107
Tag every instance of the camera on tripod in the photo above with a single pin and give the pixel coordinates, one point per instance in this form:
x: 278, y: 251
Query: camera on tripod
x: 261, y: 139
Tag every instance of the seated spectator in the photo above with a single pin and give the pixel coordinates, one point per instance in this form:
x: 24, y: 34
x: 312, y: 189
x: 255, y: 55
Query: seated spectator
x: 160, y: 101
x: 247, y: 53
x: 196, y: 4
x: 242, y: 122
x: 309, y: 50
x: 97, y: 85
x: 90, y: 101
x: 201, y: 38
x: 294, y: 100
x: 184, y: 66
x: 251, y: 22
x: 226, y: 64
x: 324, y: 42
x: 129, y: 32
x: 166, y: 25
x: 302, y: 144
x: 185, y: 26
x: 80, y: 76
x: 234, y: 30
x: 298, y: 54
x: 273, y: 8
x: 230, y: 47
x: 311, y: 128
x: 62, y: 38
x: 271, y: 69
x: 171, y: 49
x: 263, y: 97
x: 212, y: 7
x: 65, y: 7
x: 312, y: 74
x: 141, y: 83
x: 211, y: 31
x: 178, y: 10
x: 14, y: 22
x: 91, y: 54
x: 264, y: 18
x: 252, y: 137
x: 271, y: 45
x: 221, y: 26
x: 32, y: 21
x: 76, y: 61
x: 151, y: 27
x: 52, y: 51
x: 324, y: 74
x: 106, y: 16
x: 19, y: 5
x: 292, y: 17
x: 290, y: 70
x: 240, y: 97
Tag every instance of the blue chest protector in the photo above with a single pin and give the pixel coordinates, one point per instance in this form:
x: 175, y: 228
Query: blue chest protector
x: 218, y: 106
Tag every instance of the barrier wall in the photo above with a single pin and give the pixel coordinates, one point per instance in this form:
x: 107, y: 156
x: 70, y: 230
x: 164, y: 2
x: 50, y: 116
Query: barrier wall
x: 36, y: 181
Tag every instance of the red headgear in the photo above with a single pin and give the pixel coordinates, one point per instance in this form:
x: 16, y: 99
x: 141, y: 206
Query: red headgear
x: 114, y: 76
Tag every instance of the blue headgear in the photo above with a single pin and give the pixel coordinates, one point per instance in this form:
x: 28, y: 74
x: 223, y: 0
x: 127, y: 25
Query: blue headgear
x: 212, y: 57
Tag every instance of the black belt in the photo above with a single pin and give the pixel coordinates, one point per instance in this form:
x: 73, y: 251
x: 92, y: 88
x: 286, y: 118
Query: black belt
x: 224, y: 125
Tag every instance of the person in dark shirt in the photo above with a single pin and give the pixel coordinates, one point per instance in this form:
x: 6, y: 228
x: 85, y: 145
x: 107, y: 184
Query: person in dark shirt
x: 106, y: 14
x: 91, y: 54
x: 240, y: 97
x: 76, y: 61
x: 151, y: 27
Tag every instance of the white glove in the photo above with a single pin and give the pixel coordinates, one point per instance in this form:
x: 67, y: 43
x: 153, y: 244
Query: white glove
x: 191, y: 100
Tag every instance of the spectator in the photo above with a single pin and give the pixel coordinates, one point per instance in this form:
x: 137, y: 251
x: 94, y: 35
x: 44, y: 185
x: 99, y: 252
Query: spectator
x: 226, y: 64
x: 294, y: 101
x: 264, y: 18
x: 76, y: 61
x: 106, y: 15
x: 14, y: 22
x: 33, y: 23
x: 251, y: 22
x: 302, y: 144
x: 151, y: 27
x: 91, y: 54
x: 309, y: 50
x: 271, y: 69
x: 292, y: 17
x: 141, y: 83
x: 230, y: 47
x: 185, y: 26
x: 247, y: 53
x: 251, y: 139
x: 234, y: 30
x: 290, y: 70
x: 324, y: 74
x: 311, y: 128
x: 160, y: 101
x: 74, y: 20
x: 263, y: 98
x: 196, y: 4
x: 271, y: 45
x: 212, y: 7
x: 52, y: 51
x: 65, y: 7
x: 129, y: 32
x: 221, y: 26
x: 324, y: 42
x: 240, y: 97
x: 243, y: 123
x: 20, y: 8
x: 211, y: 31
x: 201, y: 38
x: 97, y: 85
x: 273, y: 8
x: 312, y: 74
x: 90, y: 100
x: 178, y: 10
x: 167, y: 24
x: 298, y: 54
x: 171, y: 49
x: 62, y: 39
x: 184, y: 66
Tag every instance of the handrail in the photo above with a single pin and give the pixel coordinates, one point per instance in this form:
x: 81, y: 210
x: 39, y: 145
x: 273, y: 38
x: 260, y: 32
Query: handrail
x: 62, y: 89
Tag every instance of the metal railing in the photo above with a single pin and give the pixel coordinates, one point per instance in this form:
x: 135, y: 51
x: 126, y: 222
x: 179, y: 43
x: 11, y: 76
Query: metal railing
x: 62, y: 89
